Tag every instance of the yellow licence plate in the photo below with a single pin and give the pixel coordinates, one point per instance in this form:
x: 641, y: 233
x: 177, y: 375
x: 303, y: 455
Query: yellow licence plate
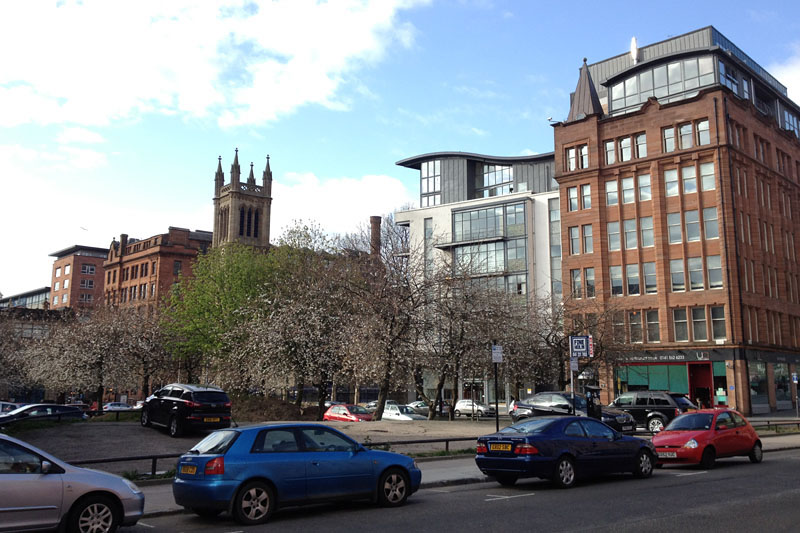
x: 189, y: 469
x: 215, y: 419
x: 498, y: 447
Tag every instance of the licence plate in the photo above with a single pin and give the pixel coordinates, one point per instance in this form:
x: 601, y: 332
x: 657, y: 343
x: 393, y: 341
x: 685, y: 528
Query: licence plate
x: 499, y: 447
x: 208, y: 419
x: 668, y: 455
x: 189, y: 469
x: 627, y: 428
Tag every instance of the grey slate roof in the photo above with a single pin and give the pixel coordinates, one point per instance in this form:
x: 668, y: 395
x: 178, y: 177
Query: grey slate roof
x: 584, y: 101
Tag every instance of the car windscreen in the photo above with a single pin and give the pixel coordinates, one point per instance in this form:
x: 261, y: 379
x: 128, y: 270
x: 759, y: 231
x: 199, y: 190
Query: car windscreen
x: 690, y: 422
x: 537, y: 425
x: 357, y: 410
x: 683, y: 402
x: 216, y: 443
x: 211, y: 397
x: 406, y: 410
x: 580, y: 402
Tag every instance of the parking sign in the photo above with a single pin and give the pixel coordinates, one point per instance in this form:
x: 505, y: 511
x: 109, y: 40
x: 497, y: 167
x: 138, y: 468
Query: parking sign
x: 579, y: 346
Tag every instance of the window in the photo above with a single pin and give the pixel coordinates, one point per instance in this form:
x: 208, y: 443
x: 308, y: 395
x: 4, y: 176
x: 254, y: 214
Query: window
x: 497, y: 181
x: 714, y: 267
x: 87, y: 269
x: 707, y: 180
x: 649, y: 270
x: 710, y: 223
x: 430, y: 183
x: 87, y: 284
x: 668, y: 139
x: 699, y: 328
x: 586, y: 195
x: 58, y: 272
x: 572, y: 199
x: 641, y: 145
x: 689, y: 176
x: 144, y: 269
x: 616, y: 280
x: 575, y: 276
x: 628, y: 195
x: 66, y: 283
x: 66, y: 270
x: 584, y: 151
x: 588, y: 276
x: 718, y: 322
x: 644, y: 188
x: 703, y: 135
x: 609, y: 150
x: 695, y: 265
x: 692, y: 225
x: 572, y: 159
x: 176, y: 268
x: 152, y: 290
x: 63, y: 298
x: 611, y: 193
x: 574, y: 241
x: 671, y: 181
x: 275, y: 440
x: 630, y: 234
x: 680, y: 324
x: 677, y: 275
x: 317, y: 439
x: 685, y: 132
x: 55, y: 300
x: 653, y: 333
x: 674, y: 227
x: 57, y: 286
x: 625, y: 149
x: 613, y: 235
x: 646, y: 228
x: 632, y: 277
x: 588, y: 244
x: 635, y: 321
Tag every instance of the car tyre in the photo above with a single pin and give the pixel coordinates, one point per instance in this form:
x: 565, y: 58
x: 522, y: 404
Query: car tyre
x: 506, y: 480
x: 254, y: 503
x: 393, y: 488
x: 175, y: 428
x: 95, y: 514
x: 565, y: 475
x: 481, y: 413
x: 708, y: 459
x: 457, y: 413
x: 655, y: 424
x: 145, y: 418
x: 644, y: 464
x: 757, y: 453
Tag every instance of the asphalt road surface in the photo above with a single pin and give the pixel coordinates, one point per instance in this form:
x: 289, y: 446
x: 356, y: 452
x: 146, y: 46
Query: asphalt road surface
x: 734, y: 496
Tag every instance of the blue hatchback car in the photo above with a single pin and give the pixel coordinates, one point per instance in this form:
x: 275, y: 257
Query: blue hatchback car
x: 562, y: 449
x: 251, y: 471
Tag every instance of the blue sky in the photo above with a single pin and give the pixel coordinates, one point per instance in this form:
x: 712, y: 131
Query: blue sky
x: 112, y: 114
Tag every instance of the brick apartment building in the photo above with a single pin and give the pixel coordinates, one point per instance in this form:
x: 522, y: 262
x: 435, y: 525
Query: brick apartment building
x: 77, y: 280
x: 680, y: 206
x: 138, y: 273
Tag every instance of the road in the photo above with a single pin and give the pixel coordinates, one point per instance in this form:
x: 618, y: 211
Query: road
x: 734, y: 496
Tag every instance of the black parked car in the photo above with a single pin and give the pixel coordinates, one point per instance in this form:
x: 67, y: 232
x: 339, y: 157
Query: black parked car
x: 182, y: 408
x: 559, y: 403
x: 653, y: 409
x: 50, y: 410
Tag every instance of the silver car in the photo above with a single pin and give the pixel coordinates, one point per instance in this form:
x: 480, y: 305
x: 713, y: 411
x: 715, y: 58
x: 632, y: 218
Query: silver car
x: 38, y: 491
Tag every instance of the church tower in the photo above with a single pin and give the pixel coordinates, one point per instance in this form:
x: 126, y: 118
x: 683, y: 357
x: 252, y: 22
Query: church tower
x: 242, y: 210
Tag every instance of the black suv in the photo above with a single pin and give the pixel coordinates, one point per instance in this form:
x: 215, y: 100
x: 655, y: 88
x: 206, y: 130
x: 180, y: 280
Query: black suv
x: 180, y: 408
x: 558, y: 403
x: 653, y: 409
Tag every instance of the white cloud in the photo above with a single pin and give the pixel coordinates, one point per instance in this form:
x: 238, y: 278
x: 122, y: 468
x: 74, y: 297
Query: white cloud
x: 79, y: 135
x: 528, y: 151
x: 788, y: 72
x: 240, y: 63
x: 478, y: 131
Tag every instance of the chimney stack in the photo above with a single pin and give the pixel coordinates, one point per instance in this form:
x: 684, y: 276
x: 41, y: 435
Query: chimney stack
x: 375, y: 236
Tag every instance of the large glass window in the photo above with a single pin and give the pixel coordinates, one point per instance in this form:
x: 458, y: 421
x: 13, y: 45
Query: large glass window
x: 783, y: 391
x: 572, y: 159
x: 610, y: 154
x: 718, y: 322
x: 632, y: 277
x: 574, y: 241
x: 630, y: 234
x: 584, y: 153
x: 586, y: 195
x: 515, y: 249
x: 625, y: 149
x: 635, y: 321
x: 612, y: 197
x: 615, y: 274
x: 757, y: 371
x: 674, y: 227
x: 653, y: 333
x: 671, y: 181
x: 692, y: 225
x: 497, y: 180
x: 699, y: 328
x: 707, y: 180
x: 714, y: 266
x: 575, y: 276
x: 685, y: 132
x: 644, y: 188
x: 677, y: 275
x: 695, y: 265
x: 613, y: 235
x: 703, y: 135
x: 649, y: 270
x: 641, y: 145
x: 588, y: 274
x: 572, y: 199
x: 710, y: 223
x: 480, y: 258
x: 478, y: 224
x: 588, y: 243
x: 646, y: 227
x: 680, y: 324
x: 668, y: 139
x: 689, y: 176
x: 515, y: 220
x: 628, y: 194
x: 430, y: 183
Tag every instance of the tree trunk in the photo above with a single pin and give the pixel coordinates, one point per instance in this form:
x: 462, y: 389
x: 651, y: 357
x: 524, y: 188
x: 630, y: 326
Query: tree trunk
x: 99, y: 394
x: 437, y: 399
x: 298, y: 401
x: 383, y: 392
x: 456, y: 395
x: 321, y: 398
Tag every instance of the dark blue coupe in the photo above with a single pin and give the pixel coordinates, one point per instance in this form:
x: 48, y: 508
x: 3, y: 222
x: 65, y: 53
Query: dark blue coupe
x: 249, y: 472
x: 562, y: 449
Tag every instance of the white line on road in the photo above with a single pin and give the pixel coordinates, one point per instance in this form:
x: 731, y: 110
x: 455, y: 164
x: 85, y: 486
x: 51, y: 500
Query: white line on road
x: 495, y: 497
x: 145, y: 525
x: 691, y: 473
x: 440, y: 490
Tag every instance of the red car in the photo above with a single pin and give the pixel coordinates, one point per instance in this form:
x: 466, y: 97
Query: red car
x: 347, y: 413
x: 702, y: 436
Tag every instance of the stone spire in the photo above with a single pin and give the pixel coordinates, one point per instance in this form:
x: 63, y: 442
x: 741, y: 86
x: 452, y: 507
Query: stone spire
x: 267, y: 179
x: 584, y: 101
x: 236, y: 172
x: 219, y: 177
x: 251, y: 180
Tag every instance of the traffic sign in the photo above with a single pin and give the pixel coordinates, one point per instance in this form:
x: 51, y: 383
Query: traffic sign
x: 573, y: 364
x: 794, y: 377
x: 497, y: 353
x: 579, y: 346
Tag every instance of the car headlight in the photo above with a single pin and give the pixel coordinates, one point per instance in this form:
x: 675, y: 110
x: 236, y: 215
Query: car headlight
x: 132, y: 485
x: 691, y: 444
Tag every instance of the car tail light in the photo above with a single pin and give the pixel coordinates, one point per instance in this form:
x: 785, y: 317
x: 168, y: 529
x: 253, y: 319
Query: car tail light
x: 526, y: 449
x: 215, y: 466
x: 677, y: 411
x: 193, y: 404
x: 227, y: 405
x: 481, y: 448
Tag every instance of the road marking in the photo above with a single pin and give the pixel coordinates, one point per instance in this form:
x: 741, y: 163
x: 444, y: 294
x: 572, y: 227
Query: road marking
x: 691, y: 473
x: 145, y: 525
x: 495, y: 497
x: 440, y: 490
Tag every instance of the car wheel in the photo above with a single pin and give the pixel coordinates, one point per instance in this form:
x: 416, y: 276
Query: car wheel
x: 756, y: 454
x: 480, y: 413
x: 393, y: 488
x: 565, y: 475
x: 506, y: 480
x: 708, y: 459
x: 457, y: 413
x: 655, y: 424
x: 644, y: 464
x: 254, y: 503
x: 95, y: 514
x: 175, y: 429
x: 145, y: 418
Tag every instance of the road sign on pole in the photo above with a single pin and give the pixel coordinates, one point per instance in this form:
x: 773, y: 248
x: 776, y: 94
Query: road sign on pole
x: 579, y: 346
x: 497, y: 353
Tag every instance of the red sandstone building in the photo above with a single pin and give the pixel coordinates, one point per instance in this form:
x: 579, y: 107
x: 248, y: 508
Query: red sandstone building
x: 678, y: 168
x: 77, y: 280
x: 140, y: 272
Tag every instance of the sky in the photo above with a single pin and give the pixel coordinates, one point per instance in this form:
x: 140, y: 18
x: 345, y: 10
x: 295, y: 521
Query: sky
x: 113, y: 114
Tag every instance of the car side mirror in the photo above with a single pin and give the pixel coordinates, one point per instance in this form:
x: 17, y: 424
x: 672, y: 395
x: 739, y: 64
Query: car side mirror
x: 46, y: 467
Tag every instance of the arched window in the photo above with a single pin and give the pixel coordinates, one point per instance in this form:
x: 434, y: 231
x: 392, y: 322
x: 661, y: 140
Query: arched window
x: 241, y: 221
x: 249, y: 220
x: 255, y: 228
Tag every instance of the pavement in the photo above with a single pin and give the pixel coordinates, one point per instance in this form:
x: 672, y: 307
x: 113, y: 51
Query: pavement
x: 444, y: 471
